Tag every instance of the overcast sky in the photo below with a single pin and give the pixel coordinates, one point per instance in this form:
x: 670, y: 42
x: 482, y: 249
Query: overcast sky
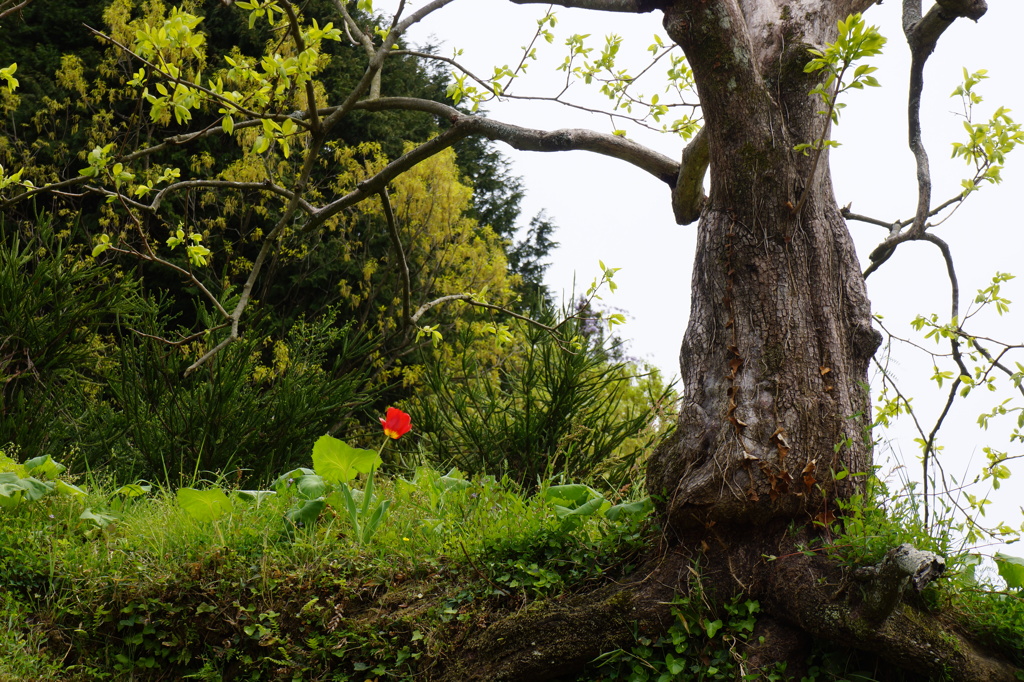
x: 608, y: 210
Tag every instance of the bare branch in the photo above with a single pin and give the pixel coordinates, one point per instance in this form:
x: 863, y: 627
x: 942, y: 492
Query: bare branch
x: 357, y: 34
x: 632, y: 6
x: 688, y: 195
x: 525, y: 139
x: 6, y: 9
x: 377, y: 61
x: 468, y: 298
x: 396, y: 241
x: 265, y: 186
x: 922, y: 35
x: 268, y: 244
x: 531, y: 139
x: 929, y: 449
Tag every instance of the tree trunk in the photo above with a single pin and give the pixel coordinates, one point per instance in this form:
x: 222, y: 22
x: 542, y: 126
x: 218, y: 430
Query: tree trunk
x: 775, y: 420
x: 775, y: 356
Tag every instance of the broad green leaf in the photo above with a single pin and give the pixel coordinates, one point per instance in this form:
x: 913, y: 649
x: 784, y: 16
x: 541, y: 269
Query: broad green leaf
x: 307, y: 513
x: 11, y: 491
x: 99, y: 519
x: 1011, y: 569
x: 453, y: 480
x: 44, y: 466
x: 286, y: 480
x: 310, y: 487
x: 588, y: 508
x: 638, y: 509
x: 571, y: 495
x: 256, y: 496
x: 204, y: 505
x: 339, y: 462
x: 69, y: 490
x: 31, y: 488
x: 134, y: 490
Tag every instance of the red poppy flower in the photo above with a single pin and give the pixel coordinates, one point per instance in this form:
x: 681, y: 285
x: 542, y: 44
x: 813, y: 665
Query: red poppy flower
x: 396, y: 423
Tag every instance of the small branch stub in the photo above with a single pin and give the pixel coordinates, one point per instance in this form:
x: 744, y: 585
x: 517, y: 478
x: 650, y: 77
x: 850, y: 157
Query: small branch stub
x: 903, y: 567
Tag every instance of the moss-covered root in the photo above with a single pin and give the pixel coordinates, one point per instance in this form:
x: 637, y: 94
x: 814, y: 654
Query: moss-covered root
x: 549, y: 639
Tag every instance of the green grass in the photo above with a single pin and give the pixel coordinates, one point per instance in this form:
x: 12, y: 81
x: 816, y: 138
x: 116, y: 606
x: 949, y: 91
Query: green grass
x: 158, y: 594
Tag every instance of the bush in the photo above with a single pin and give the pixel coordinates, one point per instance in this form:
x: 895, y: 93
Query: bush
x: 59, y: 314
x: 547, y: 407
x: 252, y: 410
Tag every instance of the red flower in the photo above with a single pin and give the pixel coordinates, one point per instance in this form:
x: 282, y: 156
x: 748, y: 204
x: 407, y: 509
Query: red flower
x: 396, y: 423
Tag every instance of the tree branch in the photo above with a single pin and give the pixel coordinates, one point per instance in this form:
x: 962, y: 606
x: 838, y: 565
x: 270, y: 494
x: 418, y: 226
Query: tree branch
x: 396, y: 242
x: 377, y: 61
x: 6, y: 7
x: 901, y: 568
x: 632, y: 6
x: 922, y: 35
x: 300, y: 47
x: 688, y: 195
x: 531, y: 139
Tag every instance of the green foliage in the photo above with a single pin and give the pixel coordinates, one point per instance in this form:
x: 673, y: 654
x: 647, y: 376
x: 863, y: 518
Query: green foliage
x: 855, y: 41
x: 60, y: 313
x: 24, y: 651
x: 987, y: 143
x: 540, y: 408
x: 245, y: 411
x: 225, y: 593
x: 703, y: 643
x: 875, y: 523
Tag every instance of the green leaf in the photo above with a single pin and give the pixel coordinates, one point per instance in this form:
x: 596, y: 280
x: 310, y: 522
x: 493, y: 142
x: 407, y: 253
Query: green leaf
x: 588, y: 508
x: 453, y: 480
x: 14, y: 489
x: 69, y: 490
x: 339, y: 462
x: 307, y: 513
x: 99, y: 519
x: 44, y: 466
x: 571, y: 495
x: 283, y: 482
x: 712, y: 627
x: 204, y: 505
x: 310, y: 487
x: 134, y: 490
x: 636, y: 510
x: 1011, y: 569
x: 256, y: 496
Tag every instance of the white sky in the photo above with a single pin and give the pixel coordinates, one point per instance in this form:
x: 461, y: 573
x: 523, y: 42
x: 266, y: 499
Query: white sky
x: 608, y: 210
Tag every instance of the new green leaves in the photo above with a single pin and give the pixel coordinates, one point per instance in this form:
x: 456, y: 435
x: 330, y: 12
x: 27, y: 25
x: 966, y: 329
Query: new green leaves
x: 987, y: 143
x: 856, y: 41
x: 7, y: 73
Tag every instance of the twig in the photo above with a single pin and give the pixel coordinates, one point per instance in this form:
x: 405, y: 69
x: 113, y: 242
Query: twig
x: 396, y: 241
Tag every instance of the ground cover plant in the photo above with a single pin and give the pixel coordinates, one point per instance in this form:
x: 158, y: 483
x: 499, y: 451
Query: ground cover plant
x: 314, y: 579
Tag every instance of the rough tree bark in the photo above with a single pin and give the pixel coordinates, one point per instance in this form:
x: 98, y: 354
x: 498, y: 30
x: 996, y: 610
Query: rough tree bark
x: 774, y: 367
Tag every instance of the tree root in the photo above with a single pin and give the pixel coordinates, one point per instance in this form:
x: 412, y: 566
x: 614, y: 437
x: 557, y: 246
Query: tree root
x: 802, y: 598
